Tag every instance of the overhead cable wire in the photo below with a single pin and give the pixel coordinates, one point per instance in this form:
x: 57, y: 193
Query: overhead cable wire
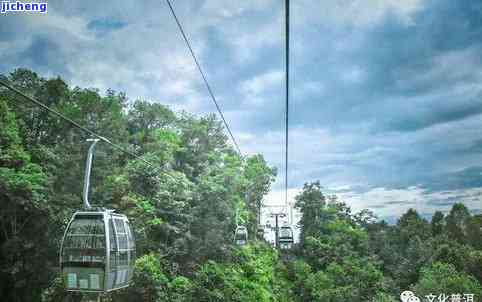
x: 77, y: 125
x: 203, y: 76
x: 287, y: 71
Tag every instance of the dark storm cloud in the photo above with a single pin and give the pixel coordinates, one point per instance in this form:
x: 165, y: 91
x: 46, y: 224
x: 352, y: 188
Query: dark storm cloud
x: 443, y: 202
x: 475, y: 147
x: 398, y: 50
x: 8, y: 22
x: 470, y: 177
x: 42, y: 49
x: 44, y: 55
x: 399, y: 64
x: 405, y: 78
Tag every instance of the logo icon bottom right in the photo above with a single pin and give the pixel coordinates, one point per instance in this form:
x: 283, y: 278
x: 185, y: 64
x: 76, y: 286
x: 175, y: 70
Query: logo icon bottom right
x: 409, y: 296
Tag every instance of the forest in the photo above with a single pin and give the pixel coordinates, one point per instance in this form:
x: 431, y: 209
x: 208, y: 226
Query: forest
x: 184, y: 214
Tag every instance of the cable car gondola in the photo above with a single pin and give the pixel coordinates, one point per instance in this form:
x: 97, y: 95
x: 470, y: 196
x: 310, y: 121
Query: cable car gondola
x: 286, y: 237
x: 98, y: 250
x: 260, y: 232
x: 241, y: 235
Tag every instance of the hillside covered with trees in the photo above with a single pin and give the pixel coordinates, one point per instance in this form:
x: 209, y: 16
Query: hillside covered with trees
x: 184, y: 213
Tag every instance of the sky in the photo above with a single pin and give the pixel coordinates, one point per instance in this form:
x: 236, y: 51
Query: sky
x: 385, y: 107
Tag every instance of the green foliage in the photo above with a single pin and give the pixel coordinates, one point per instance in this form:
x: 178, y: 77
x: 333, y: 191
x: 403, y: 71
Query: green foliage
x: 437, y: 223
x: 184, y: 211
x: 283, y: 288
x: 457, y: 223
x: 474, y: 231
x: 444, y: 278
x: 180, y: 289
x: 352, y: 279
x: 153, y: 282
x: 55, y: 292
x: 411, y: 226
x: 329, y: 233
x: 300, y: 272
x: 462, y: 257
x: 22, y: 213
x: 310, y: 203
x: 383, y: 297
x: 338, y: 264
x: 249, y: 277
x: 150, y: 281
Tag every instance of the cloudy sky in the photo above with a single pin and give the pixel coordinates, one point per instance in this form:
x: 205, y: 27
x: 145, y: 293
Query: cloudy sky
x: 386, y: 107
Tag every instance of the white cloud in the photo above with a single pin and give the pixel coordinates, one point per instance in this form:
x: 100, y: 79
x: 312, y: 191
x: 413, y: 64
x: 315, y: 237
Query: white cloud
x: 249, y: 41
x: 254, y: 90
x: 305, y: 89
x: 394, y: 202
x: 276, y: 199
x: 230, y: 9
x: 384, y: 202
x: 354, y: 12
x: 56, y: 22
x: 145, y: 62
x: 354, y: 74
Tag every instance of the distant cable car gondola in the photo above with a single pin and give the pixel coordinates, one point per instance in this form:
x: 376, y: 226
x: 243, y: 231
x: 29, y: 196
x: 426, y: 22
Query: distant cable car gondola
x: 241, y: 235
x: 285, y: 237
x: 98, y: 251
x: 260, y: 232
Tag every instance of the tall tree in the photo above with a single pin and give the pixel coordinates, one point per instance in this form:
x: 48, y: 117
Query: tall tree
x: 458, y: 222
x: 437, y: 224
x: 310, y: 203
x: 23, y: 211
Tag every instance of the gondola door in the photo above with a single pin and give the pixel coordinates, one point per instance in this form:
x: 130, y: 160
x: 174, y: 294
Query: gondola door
x: 122, y: 252
x: 83, y: 258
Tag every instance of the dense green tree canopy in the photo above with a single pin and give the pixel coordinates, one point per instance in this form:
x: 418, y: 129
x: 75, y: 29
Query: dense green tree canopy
x: 184, y: 211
